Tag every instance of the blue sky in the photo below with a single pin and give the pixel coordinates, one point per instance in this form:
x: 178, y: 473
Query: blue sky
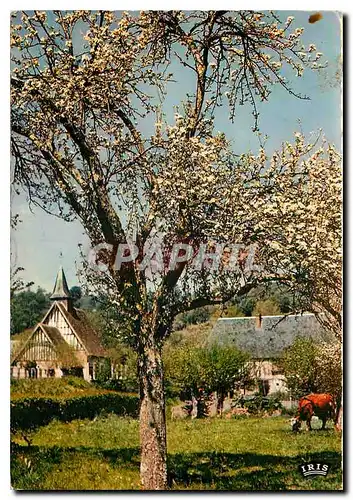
x: 40, y: 239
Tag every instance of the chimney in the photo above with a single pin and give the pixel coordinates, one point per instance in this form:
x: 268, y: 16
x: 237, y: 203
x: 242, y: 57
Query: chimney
x: 259, y: 321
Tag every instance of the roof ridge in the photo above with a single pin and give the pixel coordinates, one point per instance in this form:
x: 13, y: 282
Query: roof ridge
x: 270, y: 316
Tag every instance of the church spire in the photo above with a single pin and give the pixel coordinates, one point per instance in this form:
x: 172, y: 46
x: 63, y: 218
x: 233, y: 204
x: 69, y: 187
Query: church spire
x: 61, y: 290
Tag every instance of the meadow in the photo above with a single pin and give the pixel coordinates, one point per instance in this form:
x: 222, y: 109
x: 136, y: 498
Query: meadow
x: 206, y: 454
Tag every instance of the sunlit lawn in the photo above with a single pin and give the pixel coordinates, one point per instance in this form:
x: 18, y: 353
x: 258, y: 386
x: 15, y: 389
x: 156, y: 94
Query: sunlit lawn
x: 218, y: 454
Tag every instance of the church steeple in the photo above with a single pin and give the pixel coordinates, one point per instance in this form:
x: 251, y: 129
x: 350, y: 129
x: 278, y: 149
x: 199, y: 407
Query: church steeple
x: 61, y: 292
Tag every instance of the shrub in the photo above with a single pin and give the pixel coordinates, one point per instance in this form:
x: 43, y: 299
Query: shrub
x: 103, y: 371
x: 274, y: 403
x: 91, y: 406
x: 259, y: 403
x: 44, y: 387
x: 282, y: 395
x: 128, y: 384
x: 194, y: 317
x: 311, y: 366
x: 30, y: 413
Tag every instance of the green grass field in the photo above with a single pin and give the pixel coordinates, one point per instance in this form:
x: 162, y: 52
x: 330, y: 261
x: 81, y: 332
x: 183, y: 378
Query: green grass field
x: 210, y: 454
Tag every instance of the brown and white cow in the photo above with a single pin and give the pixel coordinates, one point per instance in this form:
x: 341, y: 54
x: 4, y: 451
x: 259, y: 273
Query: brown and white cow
x: 321, y: 405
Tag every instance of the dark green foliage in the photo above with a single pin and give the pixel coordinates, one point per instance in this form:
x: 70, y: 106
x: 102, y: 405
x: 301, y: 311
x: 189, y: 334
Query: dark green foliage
x: 258, y: 403
x: 280, y: 297
x: 76, y: 294
x: 128, y: 384
x: 246, y: 305
x: 195, y: 317
x: 203, y: 399
x: 285, y: 302
x: 30, y: 413
x: 27, y: 308
x: 91, y: 406
x: 103, y: 370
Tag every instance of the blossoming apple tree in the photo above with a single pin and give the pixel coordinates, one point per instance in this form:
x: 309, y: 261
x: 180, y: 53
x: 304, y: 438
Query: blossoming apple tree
x: 85, y: 88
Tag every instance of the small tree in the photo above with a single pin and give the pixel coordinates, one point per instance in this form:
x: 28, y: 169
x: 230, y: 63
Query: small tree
x: 310, y: 366
x: 184, y: 368
x: 298, y: 363
x: 76, y: 294
x: 210, y: 369
x: 246, y: 305
x: 225, y: 368
x: 27, y: 308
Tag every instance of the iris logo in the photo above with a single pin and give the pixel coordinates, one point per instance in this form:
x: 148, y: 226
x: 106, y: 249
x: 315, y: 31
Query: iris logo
x: 314, y: 469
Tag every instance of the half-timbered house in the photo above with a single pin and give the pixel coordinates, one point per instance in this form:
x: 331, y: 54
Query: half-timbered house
x: 62, y: 343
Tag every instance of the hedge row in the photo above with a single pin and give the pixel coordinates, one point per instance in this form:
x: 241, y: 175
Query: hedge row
x: 31, y: 413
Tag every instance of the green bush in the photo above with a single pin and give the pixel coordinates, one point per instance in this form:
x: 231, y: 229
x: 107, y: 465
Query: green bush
x: 48, y: 387
x: 274, y: 403
x: 189, y: 369
x: 30, y: 413
x: 91, y: 406
x: 259, y: 403
x: 103, y: 370
x: 282, y: 395
x: 128, y: 384
x: 194, y: 317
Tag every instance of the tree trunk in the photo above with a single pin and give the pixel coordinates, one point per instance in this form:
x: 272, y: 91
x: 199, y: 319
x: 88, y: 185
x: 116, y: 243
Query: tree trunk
x: 153, y: 467
x: 339, y: 413
x: 220, y: 402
